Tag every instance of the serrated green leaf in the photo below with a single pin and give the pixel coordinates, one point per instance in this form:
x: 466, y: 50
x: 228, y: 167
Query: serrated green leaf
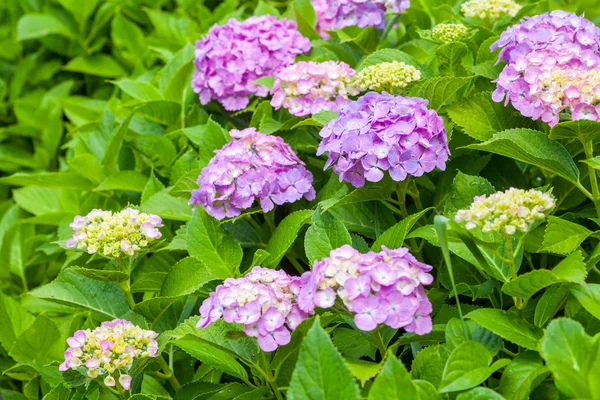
x: 480, y: 393
x: 550, y: 303
x: 113, y: 148
x: 455, y: 335
x: 129, y: 180
x: 164, y: 112
x: 588, y: 295
x: 168, y: 207
x: 185, y: 277
x: 562, y: 236
x: 363, y: 370
x: 508, y: 326
x: 393, y: 238
x: 438, y: 90
x: 284, y: 235
x: 450, y: 56
x: 582, y: 130
x: 325, y: 234
x: 321, y: 373
x: 32, y: 26
x: 98, y: 65
x: 16, y: 320
x: 520, y: 374
x: 463, y: 190
x: 152, y: 187
x: 208, y: 137
x: 59, y: 180
x: 213, y: 246
x: 36, y: 341
x: 141, y: 91
x: 393, y: 382
x: 532, y: 147
x: 429, y: 364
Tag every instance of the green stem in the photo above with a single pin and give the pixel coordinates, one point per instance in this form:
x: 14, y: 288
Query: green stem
x: 511, y: 256
x: 126, y: 285
x: 588, y: 146
x: 388, y: 27
x: 295, y: 263
x: 379, y: 342
x: 170, y: 376
x: 269, y: 376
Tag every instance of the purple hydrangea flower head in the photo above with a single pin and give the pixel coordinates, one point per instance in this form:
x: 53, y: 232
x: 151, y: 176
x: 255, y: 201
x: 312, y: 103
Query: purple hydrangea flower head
x: 263, y: 301
x: 378, y: 288
x: 234, y: 55
x: 252, y: 166
x: 553, y: 63
x: 342, y: 13
x: 308, y: 87
x: 381, y: 132
x: 109, y: 350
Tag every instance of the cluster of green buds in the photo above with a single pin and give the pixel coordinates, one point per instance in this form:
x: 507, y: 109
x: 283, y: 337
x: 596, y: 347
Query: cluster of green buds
x: 392, y: 77
x: 110, y: 350
x: 449, y: 33
x: 114, y: 234
x: 506, y: 212
x: 490, y: 9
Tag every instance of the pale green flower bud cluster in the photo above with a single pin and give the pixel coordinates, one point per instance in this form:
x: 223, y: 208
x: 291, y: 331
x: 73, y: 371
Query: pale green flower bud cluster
x: 389, y: 77
x: 506, y: 212
x: 449, y: 33
x: 490, y: 9
x: 114, y: 234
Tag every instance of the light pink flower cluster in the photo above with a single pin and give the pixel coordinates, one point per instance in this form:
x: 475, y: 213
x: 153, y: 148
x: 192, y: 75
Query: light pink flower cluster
x: 553, y: 63
x: 232, y: 56
x: 109, y: 350
x: 252, y: 166
x: 263, y: 301
x: 342, y: 13
x: 378, y: 288
x: 308, y: 87
x: 381, y: 132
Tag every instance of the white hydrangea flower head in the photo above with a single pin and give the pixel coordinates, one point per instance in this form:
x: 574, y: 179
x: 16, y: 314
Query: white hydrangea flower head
x: 449, y: 33
x: 506, y: 212
x: 391, y: 77
x: 490, y: 9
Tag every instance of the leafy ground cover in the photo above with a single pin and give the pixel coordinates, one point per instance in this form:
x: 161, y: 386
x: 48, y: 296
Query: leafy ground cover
x: 213, y: 221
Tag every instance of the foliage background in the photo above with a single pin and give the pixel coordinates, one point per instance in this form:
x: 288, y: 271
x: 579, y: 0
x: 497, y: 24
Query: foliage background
x: 96, y: 111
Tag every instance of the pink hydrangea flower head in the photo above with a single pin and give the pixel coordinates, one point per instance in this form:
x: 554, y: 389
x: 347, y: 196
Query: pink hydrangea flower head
x: 381, y: 132
x: 108, y: 351
x: 378, y: 288
x: 234, y: 55
x: 253, y: 166
x: 308, y: 87
x: 264, y: 301
x: 553, y: 63
x: 342, y: 13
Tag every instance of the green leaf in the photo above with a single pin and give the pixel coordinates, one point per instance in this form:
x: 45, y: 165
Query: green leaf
x: 155, y: 309
x: 129, y: 180
x: 393, y: 382
x: 519, y: 376
x: 562, y: 236
x: 367, y: 39
x: 387, y: 55
x: 573, y: 357
x: 508, y: 326
x: 583, y: 130
x: 588, y: 295
x: 284, y: 236
x: 213, y: 246
x: 36, y: 341
x: 33, y: 26
x: 175, y: 77
x: 455, y: 335
x: 571, y: 269
x: 463, y: 190
x: 438, y: 90
x: 450, y: 56
x: 59, y: 180
x: 152, y: 187
x: 393, y: 238
x: 211, y: 355
x: 98, y: 64
x: 429, y: 364
x: 550, y: 303
x: 266, y: 81
x: 323, y: 117
x: 325, y: 234
x: 320, y: 372
x: 16, y: 320
x: 168, y: 207
x: 480, y: 393
x: 139, y: 90
x: 468, y: 366
x: 113, y: 148
x: 164, y: 112
x: 480, y: 117
x: 209, y: 138
x: 185, y: 277
x: 535, y: 148
x: 73, y: 289
x: 363, y: 370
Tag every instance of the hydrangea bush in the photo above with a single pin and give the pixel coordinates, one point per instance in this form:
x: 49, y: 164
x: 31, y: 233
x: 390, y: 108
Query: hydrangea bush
x: 303, y: 199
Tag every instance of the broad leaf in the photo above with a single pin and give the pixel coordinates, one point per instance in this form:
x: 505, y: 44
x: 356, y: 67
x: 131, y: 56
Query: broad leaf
x: 440, y: 89
x: 582, y: 130
x: 185, y: 277
x: 508, y: 326
x: 463, y: 191
x: 325, y: 234
x: 394, y: 237
x: 562, y: 236
x: 520, y: 375
x: 387, y: 55
x: 285, y: 234
x: 393, y: 382
x: 588, y: 295
x: 36, y: 341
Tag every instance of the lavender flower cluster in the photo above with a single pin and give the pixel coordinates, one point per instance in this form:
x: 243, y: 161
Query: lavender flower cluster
x: 552, y: 63
x: 380, y: 132
x: 109, y: 350
x: 263, y: 301
x: 232, y: 56
x: 342, y: 13
x: 378, y: 288
x: 252, y: 166
x: 309, y: 87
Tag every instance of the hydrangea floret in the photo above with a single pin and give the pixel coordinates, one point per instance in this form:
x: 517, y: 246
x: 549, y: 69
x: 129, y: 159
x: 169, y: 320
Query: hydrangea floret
x: 325, y: 19
x: 449, y: 33
x: 252, y: 166
x: 232, y: 56
x: 363, y: 13
x: 264, y: 301
x: 490, y: 10
x: 378, y: 288
x: 552, y: 66
x: 309, y: 87
x: 381, y: 132
x: 114, y: 234
x: 392, y: 77
x: 109, y: 351
x: 506, y: 212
